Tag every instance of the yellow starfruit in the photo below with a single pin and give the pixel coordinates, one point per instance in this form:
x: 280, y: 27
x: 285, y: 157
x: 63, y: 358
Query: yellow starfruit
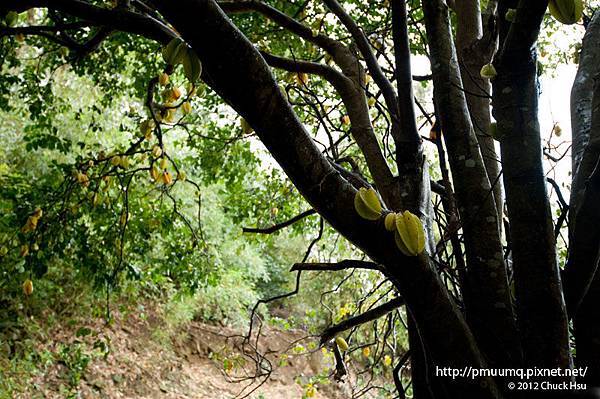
x: 390, y: 221
x: 409, y: 236
x: 367, y: 204
x: 488, y: 71
x: 341, y: 343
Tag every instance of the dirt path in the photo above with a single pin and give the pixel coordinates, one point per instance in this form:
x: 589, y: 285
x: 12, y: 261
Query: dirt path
x: 141, y: 364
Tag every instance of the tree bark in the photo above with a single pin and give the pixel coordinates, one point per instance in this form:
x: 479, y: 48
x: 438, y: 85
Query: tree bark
x: 540, y: 305
x: 413, y: 173
x: 489, y: 309
x: 582, y: 263
x: 474, y: 50
x: 586, y: 250
x: 581, y: 104
x: 425, y: 384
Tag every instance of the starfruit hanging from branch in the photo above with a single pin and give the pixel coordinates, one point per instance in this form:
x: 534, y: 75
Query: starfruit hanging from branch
x: 390, y: 221
x: 409, y: 234
x: 341, y: 344
x: 367, y: 205
x: 192, y: 68
x: 488, y: 71
x: 154, y: 173
x: 178, y: 52
x: 174, y: 52
x: 566, y: 11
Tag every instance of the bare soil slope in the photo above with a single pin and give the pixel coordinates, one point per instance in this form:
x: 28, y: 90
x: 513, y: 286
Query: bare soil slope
x: 143, y: 363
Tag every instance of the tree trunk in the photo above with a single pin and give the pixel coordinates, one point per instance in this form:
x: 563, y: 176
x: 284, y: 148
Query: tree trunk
x: 489, y: 309
x: 586, y: 249
x: 425, y: 384
x: 581, y: 102
x: 540, y: 305
x: 584, y: 226
x: 474, y: 50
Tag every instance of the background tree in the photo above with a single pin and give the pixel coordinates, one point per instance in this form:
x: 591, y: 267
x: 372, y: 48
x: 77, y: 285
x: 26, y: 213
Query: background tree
x: 349, y: 122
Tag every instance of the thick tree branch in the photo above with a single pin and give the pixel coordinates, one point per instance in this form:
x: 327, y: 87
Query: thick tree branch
x: 412, y: 168
x: 474, y: 49
x: 391, y: 99
x: 586, y: 321
x: 540, y: 306
x: 421, y: 78
x: 584, y: 243
x: 117, y: 18
x: 584, y: 246
x: 404, y: 76
x: 369, y: 315
x: 342, y: 265
x: 279, y: 226
x: 581, y: 108
x: 283, y: 20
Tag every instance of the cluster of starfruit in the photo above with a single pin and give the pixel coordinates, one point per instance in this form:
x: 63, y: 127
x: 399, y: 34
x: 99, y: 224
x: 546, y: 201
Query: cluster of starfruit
x: 407, y: 227
x: 178, y: 52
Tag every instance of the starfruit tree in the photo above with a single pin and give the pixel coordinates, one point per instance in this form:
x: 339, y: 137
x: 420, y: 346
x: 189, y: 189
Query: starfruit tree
x: 327, y: 87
